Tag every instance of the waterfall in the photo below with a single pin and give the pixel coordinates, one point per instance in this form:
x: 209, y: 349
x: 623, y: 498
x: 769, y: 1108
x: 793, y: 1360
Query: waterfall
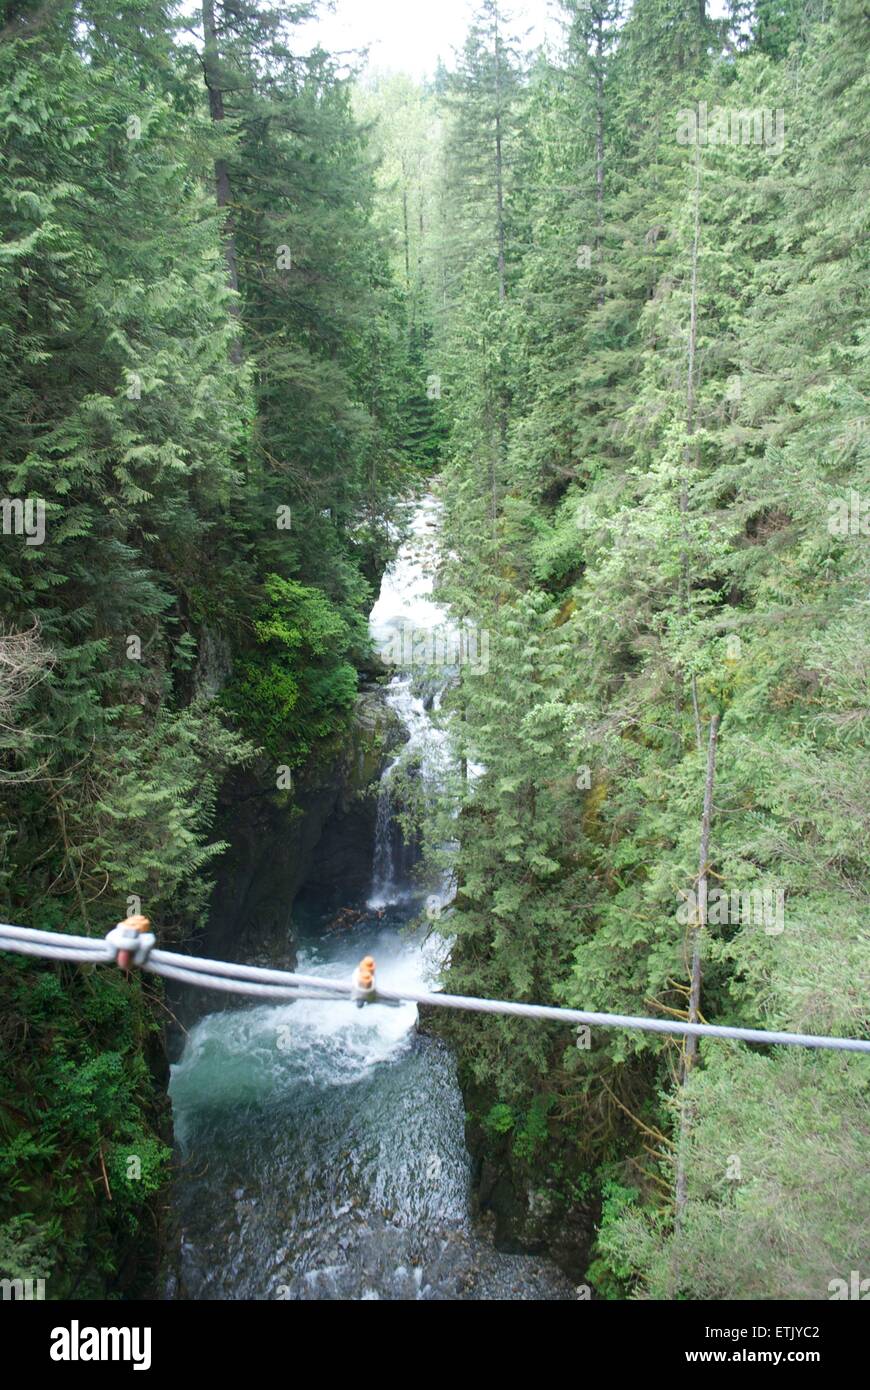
x: 383, y: 889
x: 406, y: 624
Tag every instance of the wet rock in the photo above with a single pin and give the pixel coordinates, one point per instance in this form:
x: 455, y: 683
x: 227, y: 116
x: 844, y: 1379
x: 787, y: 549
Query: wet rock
x: 520, y: 1208
x: 320, y: 831
x: 214, y: 664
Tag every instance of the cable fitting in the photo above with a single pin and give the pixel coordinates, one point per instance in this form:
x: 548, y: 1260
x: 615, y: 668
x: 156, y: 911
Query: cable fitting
x: 131, y: 941
x: 363, y: 982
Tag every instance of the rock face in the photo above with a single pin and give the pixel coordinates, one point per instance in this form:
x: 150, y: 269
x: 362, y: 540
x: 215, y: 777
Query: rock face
x: 278, y: 840
x: 527, y: 1211
x: 340, y: 860
x: 214, y: 663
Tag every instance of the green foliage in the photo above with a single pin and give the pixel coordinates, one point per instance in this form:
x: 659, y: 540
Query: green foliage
x: 216, y: 457
x: 77, y: 1095
x: 25, y: 1249
x: 763, y: 1218
x: 534, y: 1131
x: 610, y: 1275
x: 529, y: 1128
x: 301, y: 688
x: 647, y: 446
x: 500, y: 1119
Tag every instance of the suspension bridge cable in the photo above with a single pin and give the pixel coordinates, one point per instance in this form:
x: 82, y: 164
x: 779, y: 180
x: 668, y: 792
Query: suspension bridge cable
x: 31, y: 941
x: 649, y: 1025
x: 232, y: 986
x: 245, y: 972
x: 126, y: 941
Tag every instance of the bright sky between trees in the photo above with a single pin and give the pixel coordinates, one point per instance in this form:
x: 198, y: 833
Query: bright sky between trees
x: 404, y: 36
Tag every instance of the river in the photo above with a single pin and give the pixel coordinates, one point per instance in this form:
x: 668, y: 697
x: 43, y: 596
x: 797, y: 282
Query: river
x: 321, y: 1147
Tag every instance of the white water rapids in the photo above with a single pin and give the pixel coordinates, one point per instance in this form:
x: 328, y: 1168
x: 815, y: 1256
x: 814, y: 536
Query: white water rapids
x: 404, y: 612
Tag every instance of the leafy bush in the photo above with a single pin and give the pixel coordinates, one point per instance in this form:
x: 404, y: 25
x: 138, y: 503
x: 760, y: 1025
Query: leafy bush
x: 301, y: 686
x: 500, y: 1119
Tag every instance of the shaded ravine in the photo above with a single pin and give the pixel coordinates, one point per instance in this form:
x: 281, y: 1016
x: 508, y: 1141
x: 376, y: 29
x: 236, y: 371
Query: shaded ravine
x: 321, y: 1147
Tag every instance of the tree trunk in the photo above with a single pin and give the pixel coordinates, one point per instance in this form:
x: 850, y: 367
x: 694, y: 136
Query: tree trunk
x: 599, y: 151
x: 499, y: 183
x: 701, y: 919
x: 691, y: 1045
x: 689, y: 460
x: 500, y: 458
x: 223, y: 192
x: 405, y: 229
